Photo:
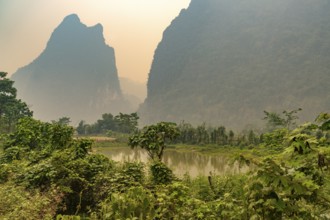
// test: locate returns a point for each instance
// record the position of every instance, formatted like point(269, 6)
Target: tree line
point(203, 134)
point(122, 123)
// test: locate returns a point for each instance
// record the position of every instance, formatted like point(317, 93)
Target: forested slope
point(224, 62)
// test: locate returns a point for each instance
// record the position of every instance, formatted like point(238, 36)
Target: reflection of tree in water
point(181, 162)
point(125, 154)
point(136, 155)
point(167, 159)
point(112, 152)
point(191, 162)
point(200, 160)
point(219, 163)
point(186, 159)
point(223, 166)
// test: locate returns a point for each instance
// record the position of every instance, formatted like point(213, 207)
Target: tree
point(324, 120)
point(126, 123)
point(123, 123)
point(62, 121)
point(187, 133)
point(290, 118)
point(252, 138)
point(106, 123)
point(221, 131)
point(81, 129)
point(202, 135)
point(275, 120)
point(154, 138)
point(11, 108)
point(231, 137)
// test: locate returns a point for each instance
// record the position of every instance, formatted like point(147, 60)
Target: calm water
point(192, 163)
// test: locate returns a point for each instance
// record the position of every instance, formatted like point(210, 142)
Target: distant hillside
point(75, 76)
point(225, 61)
point(134, 92)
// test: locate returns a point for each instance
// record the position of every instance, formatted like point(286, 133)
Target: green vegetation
point(122, 123)
point(11, 108)
point(47, 173)
point(43, 163)
point(274, 120)
point(154, 138)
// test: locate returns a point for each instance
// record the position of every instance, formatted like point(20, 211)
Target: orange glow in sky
point(132, 27)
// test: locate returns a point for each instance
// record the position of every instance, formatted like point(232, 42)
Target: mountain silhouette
point(75, 76)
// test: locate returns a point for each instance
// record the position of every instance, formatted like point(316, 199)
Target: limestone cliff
point(75, 76)
point(225, 61)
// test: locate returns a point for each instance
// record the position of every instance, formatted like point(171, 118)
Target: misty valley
point(233, 122)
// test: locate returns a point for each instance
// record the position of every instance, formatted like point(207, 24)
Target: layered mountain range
point(75, 76)
point(224, 62)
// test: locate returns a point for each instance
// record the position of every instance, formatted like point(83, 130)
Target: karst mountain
point(224, 62)
point(75, 76)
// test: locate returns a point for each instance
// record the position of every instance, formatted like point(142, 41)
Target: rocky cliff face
point(225, 61)
point(75, 76)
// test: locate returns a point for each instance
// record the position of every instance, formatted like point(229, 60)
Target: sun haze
point(132, 27)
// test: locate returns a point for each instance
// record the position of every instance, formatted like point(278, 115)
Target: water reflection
point(192, 163)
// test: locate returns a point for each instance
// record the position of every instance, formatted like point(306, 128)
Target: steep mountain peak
point(75, 76)
point(73, 32)
point(73, 18)
point(98, 28)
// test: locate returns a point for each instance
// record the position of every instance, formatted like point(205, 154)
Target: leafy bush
point(16, 202)
point(46, 173)
point(160, 173)
point(135, 203)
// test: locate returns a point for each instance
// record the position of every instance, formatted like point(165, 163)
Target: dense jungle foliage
point(45, 173)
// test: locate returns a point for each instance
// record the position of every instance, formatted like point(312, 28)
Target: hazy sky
point(132, 27)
